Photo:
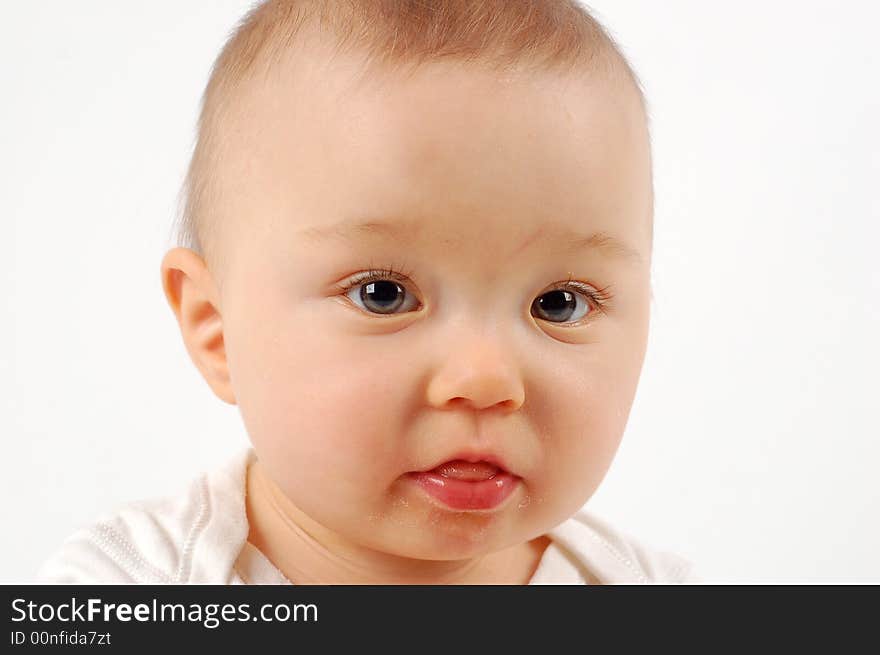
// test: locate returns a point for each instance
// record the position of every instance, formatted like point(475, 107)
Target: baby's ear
point(193, 297)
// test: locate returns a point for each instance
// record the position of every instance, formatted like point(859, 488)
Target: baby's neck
point(305, 555)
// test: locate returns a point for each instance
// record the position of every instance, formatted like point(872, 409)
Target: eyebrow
point(404, 231)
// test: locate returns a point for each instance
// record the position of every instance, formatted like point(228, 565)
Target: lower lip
point(465, 494)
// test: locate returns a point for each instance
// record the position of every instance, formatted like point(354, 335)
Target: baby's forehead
point(438, 100)
point(327, 139)
point(460, 138)
point(307, 64)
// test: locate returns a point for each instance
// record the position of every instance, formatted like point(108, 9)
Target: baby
point(417, 257)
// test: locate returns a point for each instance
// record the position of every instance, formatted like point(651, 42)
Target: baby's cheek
point(342, 418)
point(584, 439)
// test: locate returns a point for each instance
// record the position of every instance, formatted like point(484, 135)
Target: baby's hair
point(543, 35)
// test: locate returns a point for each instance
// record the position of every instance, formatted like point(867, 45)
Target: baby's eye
point(562, 305)
point(380, 296)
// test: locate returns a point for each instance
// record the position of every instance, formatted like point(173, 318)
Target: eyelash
point(599, 297)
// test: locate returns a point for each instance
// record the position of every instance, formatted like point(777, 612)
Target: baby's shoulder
point(186, 537)
point(620, 557)
point(139, 542)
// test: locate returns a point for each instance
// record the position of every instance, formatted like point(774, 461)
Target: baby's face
point(483, 192)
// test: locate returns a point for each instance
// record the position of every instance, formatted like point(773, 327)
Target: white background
point(753, 444)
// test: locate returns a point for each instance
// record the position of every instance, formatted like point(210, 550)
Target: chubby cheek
point(321, 414)
point(584, 424)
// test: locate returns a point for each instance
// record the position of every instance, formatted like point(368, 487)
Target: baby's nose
point(479, 372)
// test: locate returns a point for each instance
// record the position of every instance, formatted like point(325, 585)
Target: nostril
point(460, 402)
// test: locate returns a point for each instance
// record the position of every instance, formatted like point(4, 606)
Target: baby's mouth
point(459, 469)
point(460, 484)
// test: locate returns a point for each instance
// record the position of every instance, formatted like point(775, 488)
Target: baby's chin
point(441, 537)
point(416, 527)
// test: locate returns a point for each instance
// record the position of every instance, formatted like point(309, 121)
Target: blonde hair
point(541, 34)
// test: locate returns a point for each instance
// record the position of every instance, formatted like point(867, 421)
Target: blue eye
point(560, 306)
point(379, 292)
point(382, 296)
point(564, 300)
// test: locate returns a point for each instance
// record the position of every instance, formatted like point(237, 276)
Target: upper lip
point(473, 456)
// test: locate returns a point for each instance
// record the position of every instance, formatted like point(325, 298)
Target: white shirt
point(200, 537)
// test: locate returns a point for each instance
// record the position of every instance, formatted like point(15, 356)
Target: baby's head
point(419, 233)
